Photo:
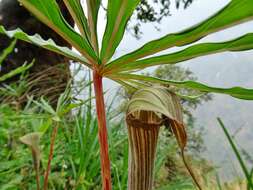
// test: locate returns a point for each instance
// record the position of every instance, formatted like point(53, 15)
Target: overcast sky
point(180, 19)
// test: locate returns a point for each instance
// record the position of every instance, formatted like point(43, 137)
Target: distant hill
point(227, 69)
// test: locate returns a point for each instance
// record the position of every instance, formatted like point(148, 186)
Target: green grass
point(76, 163)
point(246, 172)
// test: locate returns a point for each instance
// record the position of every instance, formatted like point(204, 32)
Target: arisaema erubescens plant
point(122, 69)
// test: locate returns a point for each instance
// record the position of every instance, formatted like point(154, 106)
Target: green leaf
point(118, 14)
point(46, 44)
point(7, 51)
point(12, 183)
point(236, 12)
point(15, 72)
point(93, 8)
point(237, 154)
point(76, 10)
point(242, 43)
point(45, 126)
point(237, 92)
point(48, 12)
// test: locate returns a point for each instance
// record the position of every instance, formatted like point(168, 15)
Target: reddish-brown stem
point(50, 157)
point(102, 132)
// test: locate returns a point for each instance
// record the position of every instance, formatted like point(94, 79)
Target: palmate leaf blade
point(118, 14)
point(76, 10)
point(236, 12)
point(242, 43)
point(48, 12)
point(93, 8)
point(236, 92)
point(46, 44)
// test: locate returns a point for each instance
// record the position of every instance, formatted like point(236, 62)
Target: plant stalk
point(50, 157)
point(36, 168)
point(143, 130)
point(237, 154)
point(102, 132)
